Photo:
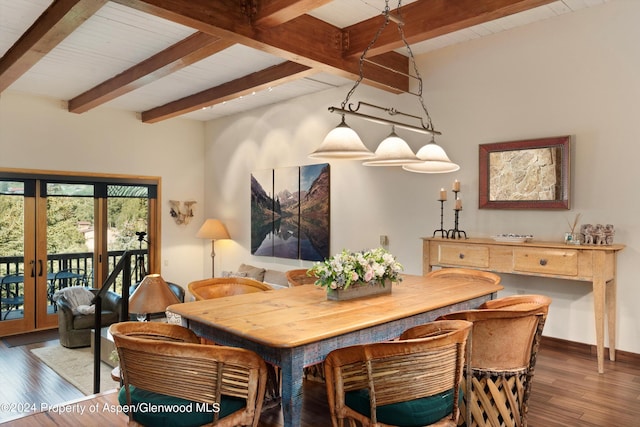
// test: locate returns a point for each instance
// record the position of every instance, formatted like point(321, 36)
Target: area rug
point(31, 338)
point(76, 367)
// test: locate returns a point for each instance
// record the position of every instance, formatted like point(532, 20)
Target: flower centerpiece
point(365, 273)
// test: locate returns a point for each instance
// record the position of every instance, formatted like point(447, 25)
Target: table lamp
point(215, 230)
point(152, 295)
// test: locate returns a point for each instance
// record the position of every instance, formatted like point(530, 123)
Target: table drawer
point(463, 255)
point(546, 261)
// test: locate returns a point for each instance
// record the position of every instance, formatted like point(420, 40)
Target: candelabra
point(455, 232)
point(443, 232)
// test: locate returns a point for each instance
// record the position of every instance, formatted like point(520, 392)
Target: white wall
point(38, 133)
point(576, 74)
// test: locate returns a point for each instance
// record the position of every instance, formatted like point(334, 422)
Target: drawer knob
point(461, 256)
point(543, 261)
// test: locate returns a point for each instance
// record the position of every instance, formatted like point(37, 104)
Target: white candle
point(456, 185)
point(443, 194)
point(458, 204)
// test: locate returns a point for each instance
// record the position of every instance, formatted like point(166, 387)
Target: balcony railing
point(82, 261)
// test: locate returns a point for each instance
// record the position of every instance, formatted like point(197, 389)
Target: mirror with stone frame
point(527, 174)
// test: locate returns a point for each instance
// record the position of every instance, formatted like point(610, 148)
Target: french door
point(58, 231)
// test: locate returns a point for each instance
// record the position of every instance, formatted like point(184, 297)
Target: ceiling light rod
point(344, 143)
point(345, 107)
point(424, 129)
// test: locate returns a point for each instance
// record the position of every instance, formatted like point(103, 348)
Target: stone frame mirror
point(527, 174)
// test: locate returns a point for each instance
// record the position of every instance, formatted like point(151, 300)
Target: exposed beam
point(426, 19)
point(272, 76)
point(182, 54)
point(270, 13)
point(54, 25)
point(320, 45)
point(305, 40)
point(278, 27)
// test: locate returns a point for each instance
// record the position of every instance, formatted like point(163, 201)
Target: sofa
point(275, 278)
point(75, 316)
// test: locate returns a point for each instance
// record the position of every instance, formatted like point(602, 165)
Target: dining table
point(298, 326)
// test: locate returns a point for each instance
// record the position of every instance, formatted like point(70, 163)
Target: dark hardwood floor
point(567, 390)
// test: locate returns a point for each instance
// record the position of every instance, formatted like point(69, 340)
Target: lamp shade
point(213, 229)
point(392, 151)
point(342, 143)
point(152, 295)
point(433, 160)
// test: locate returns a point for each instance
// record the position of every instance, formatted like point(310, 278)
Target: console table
point(589, 263)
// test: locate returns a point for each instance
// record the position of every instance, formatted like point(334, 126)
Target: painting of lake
point(290, 212)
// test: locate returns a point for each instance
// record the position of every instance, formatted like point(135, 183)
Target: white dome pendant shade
point(342, 143)
point(392, 151)
point(433, 160)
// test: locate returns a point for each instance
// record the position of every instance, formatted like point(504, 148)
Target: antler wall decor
point(182, 216)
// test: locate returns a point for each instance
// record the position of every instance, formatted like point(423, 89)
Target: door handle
point(40, 265)
point(33, 268)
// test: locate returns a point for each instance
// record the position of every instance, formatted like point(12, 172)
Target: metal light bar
point(383, 121)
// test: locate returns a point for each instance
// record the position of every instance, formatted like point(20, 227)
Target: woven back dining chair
point(402, 382)
point(505, 341)
point(466, 274)
point(299, 277)
point(218, 287)
point(165, 366)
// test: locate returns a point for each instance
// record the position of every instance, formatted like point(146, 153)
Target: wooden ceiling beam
point(320, 45)
point(260, 80)
point(182, 54)
point(305, 40)
point(427, 19)
point(54, 25)
point(271, 13)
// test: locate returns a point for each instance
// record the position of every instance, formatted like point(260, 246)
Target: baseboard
point(587, 349)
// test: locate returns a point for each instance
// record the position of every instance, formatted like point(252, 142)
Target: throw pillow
point(255, 273)
point(234, 274)
point(274, 277)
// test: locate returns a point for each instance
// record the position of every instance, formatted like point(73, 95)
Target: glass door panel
point(70, 228)
point(58, 231)
point(128, 227)
point(16, 248)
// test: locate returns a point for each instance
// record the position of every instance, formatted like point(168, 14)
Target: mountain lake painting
point(290, 212)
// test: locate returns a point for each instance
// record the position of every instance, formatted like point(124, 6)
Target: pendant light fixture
point(392, 151)
point(344, 143)
point(433, 159)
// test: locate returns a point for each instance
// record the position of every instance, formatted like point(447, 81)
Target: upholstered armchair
point(75, 317)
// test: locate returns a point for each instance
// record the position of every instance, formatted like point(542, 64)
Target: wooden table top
point(300, 315)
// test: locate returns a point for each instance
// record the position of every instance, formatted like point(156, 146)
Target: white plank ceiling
point(118, 37)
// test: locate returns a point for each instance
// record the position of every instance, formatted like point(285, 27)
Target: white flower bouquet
point(346, 268)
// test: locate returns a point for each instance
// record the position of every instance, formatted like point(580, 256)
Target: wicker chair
point(300, 277)
point(226, 286)
point(505, 340)
point(467, 273)
point(163, 364)
point(219, 287)
point(405, 382)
